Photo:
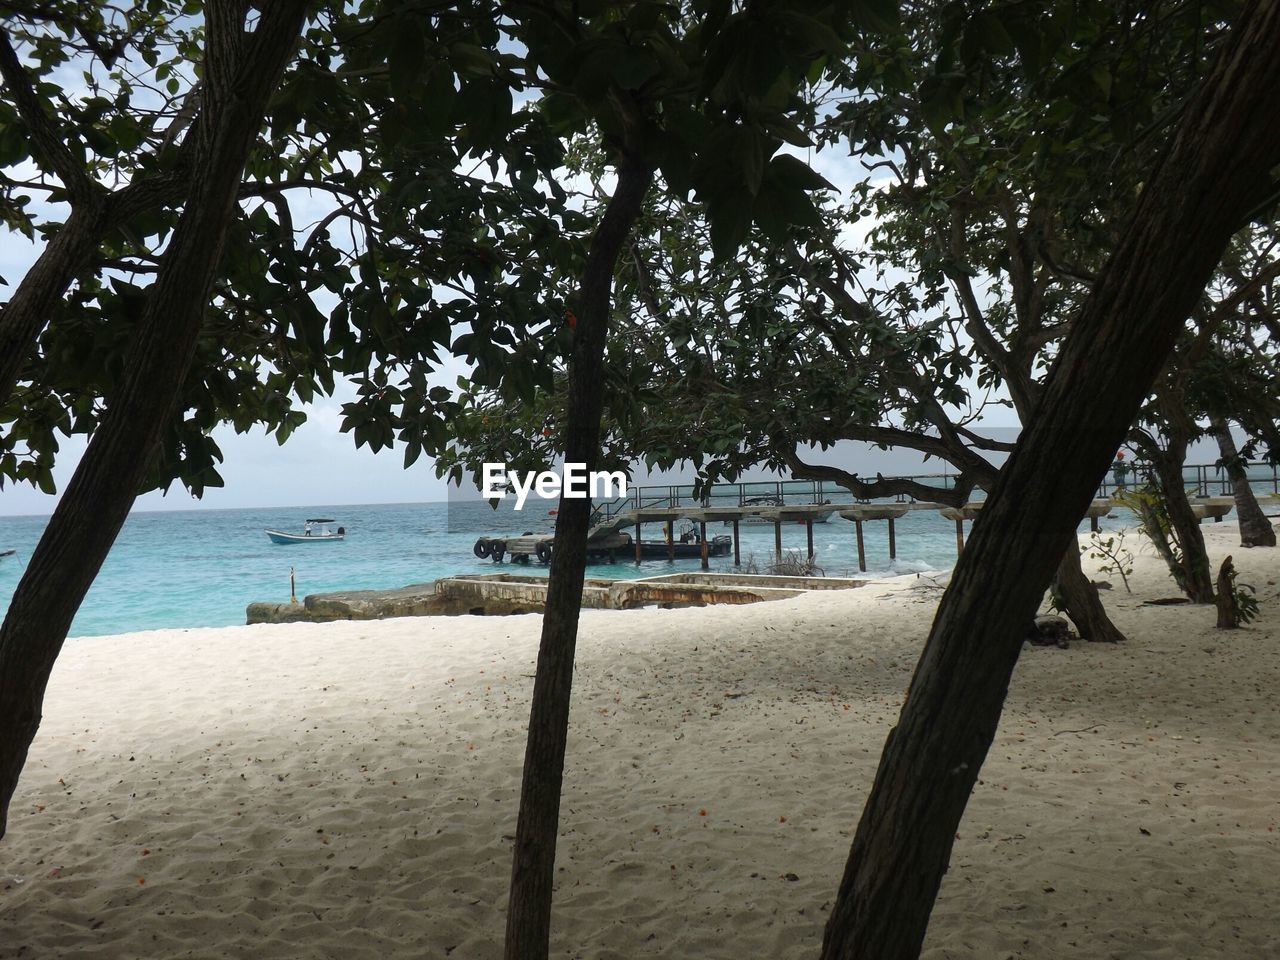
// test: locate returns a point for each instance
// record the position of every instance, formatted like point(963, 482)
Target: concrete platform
point(875, 511)
point(505, 593)
point(969, 511)
point(1212, 507)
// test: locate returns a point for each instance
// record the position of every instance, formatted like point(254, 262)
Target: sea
point(201, 568)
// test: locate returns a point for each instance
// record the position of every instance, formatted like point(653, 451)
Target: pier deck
point(610, 534)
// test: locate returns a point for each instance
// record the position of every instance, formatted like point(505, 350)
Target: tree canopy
point(614, 215)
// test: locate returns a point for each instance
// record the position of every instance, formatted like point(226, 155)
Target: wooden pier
point(611, 534)
point(618, 528)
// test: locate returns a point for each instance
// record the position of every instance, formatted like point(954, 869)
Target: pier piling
point(737, 546)
point(862, 549)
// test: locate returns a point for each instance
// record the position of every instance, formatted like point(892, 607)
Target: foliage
point(1242, 607)
point(1150, 504)
point(408, 199)
point(1232, 364)
point(1004, 150)
point(1246, 602)
point(364, 240)
point(1111, 550)
point(1224, 367)
point(1149, 507)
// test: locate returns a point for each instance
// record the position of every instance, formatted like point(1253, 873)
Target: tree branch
point(47, 141)
point(873, 489)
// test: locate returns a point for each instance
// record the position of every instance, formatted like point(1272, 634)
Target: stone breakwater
point(501, 594)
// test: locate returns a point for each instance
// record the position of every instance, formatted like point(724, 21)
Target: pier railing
point(1202, 480)
point(749, 493)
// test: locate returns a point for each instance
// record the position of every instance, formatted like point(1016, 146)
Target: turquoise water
point(200, 568)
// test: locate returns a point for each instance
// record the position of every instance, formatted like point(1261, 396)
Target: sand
point(349, 790)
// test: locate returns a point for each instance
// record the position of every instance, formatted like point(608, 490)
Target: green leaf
point(407, 57)
point(881, 16)
point(632, 67)
point(730, 223)
point(989, 30)
point(1101, 74)
point(791, 171)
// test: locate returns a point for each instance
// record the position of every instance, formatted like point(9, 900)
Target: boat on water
point(7, 553)
point(315, 530)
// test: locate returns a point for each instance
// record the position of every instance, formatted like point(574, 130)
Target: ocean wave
point(901, 567)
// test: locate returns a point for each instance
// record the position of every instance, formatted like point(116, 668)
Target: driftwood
point(1228, 611)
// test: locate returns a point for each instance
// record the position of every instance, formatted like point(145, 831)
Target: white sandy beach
point(349, 790)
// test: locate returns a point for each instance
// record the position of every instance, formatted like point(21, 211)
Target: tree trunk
point(533, 862)
point(1255, 528)
point(244, 69)
point(1078, 599)
point(1209, 179)
point(1228, 609)
point(1193, 572)
point(1150, 511)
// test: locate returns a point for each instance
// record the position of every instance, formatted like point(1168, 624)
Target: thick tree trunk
point(1255, 528)
point(1078, 599)
point(1192, 572)
point(533, 862)
point(1211, 176)
point(244, 69)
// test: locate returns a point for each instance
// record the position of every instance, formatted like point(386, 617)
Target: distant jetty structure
point(617, 529)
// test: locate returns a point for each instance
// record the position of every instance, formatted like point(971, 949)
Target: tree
point(383, 117)
point(990, 226)
point(1255, 528)
point(30, 129)
point(260, 342)
point(1213, 175)
point(702, 94)
point(1200, 384)
point(1238, 376)
point(242, 69)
